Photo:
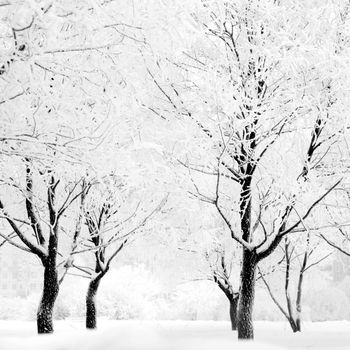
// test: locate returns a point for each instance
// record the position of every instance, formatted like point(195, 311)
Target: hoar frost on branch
point(267, 110)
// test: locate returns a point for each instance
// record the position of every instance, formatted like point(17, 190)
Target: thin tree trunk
point(48, 298)
point(91, 303)
point(286, 314)
point(298, 315)
point(299, 294)
point(233, 312)
point(293, 324)
point(246, 295)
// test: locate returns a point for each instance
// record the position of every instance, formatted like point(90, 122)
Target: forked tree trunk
point(48, 298)
point(233, 312)
point(294, 320)
point(91, 303)
point(293, 324)
point(246, 295)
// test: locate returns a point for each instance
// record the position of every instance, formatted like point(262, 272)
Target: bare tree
point(217, 261)
point(302, 262)
point(221, 268)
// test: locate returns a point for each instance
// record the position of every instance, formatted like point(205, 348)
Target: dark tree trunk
point(245, 209)
point(48, 298)
point(91, 303)
point(100, 271)
point(293, 325)
point(51, 284)
point(246, 295)
point(233, 312)
point(249, 263)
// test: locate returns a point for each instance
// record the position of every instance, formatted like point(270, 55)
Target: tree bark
point(246, 295)
point(51, 284)
point(48, 298)
point(249, 262)
point(233, 312)
point(91, 303)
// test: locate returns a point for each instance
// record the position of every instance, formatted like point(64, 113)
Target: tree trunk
point(48, 298)
point(51, 284)
point(293, 325)
point(233, 312)
point(91, 303)
point(298, 301)
point(246, 295)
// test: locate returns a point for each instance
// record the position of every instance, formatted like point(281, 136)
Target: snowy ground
point(130, 335)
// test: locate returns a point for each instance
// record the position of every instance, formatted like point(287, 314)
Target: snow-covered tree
point(113, 219)
point(221, 266)
point(61, 99)
point(39, 208)
point(265, 109)
point(217, 259)
point(297, 259)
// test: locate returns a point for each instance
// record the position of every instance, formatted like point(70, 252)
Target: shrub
point(328, 305)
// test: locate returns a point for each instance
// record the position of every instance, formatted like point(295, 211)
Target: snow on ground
point(171, 335)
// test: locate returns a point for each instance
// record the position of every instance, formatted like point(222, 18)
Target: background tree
point(297, 259)
point(221, 273)
point(218, 261)
point(114, 217)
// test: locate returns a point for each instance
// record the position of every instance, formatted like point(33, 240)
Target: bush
point(328, 305)
point(196, 301)
point(61, 311)
point(265, 309)
point(123, 311)
point(72, 297)
point(14, 308)
point(128, 293)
